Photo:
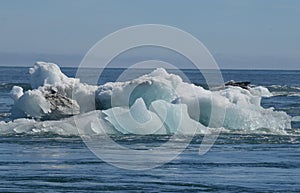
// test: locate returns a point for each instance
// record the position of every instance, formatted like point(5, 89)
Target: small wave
point(296, 119)
point(5, 116)
point(8, 86)
point(284, 90)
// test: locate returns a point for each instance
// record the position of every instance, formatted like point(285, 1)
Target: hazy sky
point(239, 33)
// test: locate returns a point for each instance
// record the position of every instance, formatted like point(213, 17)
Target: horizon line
point(246, 69)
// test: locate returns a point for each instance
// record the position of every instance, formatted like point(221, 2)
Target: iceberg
point(54, 95)
point(155, 103)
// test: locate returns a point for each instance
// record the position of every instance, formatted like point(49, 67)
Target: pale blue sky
point(239, 33)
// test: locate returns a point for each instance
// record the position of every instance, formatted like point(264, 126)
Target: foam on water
point(284, 90)
point(155, 103)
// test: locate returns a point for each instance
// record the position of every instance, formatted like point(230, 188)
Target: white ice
point(158, 102)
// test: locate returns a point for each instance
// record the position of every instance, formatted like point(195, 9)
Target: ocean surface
point(237, 162)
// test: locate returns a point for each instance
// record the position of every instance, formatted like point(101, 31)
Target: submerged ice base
point(155, 103)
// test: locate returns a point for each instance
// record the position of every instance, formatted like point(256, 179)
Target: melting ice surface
point(155, 103)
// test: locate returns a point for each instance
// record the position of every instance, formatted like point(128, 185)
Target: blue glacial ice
point(155, 103)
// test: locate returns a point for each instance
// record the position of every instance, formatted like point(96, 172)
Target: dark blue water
point(236, 162)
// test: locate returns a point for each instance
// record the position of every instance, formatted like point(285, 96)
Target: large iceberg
point(155, 103)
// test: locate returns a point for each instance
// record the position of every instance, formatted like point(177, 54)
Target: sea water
point(238, 162)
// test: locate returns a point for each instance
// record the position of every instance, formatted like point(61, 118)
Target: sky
point(240, 34)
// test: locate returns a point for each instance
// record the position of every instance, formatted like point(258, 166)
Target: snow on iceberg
point(154, 103)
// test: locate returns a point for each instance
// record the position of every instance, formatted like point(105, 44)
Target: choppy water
point(236, 163)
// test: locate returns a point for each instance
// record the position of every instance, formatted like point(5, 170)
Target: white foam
point(284, 90)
